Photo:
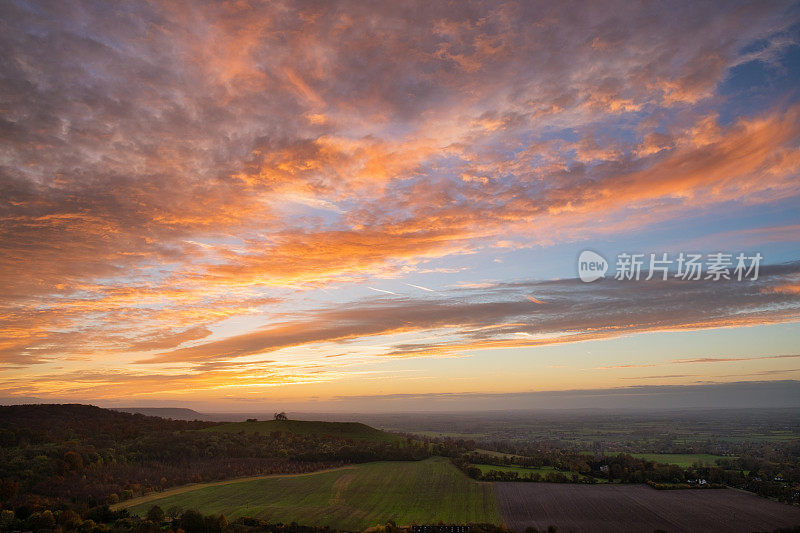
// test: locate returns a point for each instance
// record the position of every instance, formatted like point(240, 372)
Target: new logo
point(591, 266)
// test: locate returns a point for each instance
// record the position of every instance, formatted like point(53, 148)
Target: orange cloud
point(169, 167)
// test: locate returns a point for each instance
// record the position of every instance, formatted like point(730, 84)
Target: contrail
point(420, 287)
point(381, 290)
point(534, 300)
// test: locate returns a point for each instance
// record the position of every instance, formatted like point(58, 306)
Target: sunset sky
point(237, 205)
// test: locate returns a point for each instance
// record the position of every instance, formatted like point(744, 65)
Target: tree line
point(774, 473)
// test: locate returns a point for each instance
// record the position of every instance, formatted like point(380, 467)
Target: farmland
point(355, 498)
point(351, 476)
point(612, 508)
point(684, 460)
point(182, 489)
point(497, 454)
point(524, 471)
point(645, 432)
point(431, 491)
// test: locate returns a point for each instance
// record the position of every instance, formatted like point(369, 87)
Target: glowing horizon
point(246, 203)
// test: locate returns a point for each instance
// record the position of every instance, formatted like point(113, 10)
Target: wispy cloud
point(701, 360)
point(169, 170)
point(496, 317)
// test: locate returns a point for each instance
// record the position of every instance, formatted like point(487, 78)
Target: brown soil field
point(635, 508)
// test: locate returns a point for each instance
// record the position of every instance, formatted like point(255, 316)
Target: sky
point(237, 205)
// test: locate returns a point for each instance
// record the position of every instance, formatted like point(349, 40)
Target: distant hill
point(54, 423)
point(344, 430)
point(175, 413)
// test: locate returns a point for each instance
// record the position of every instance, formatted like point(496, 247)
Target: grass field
point(523, 471)
point(495, 454)
point(345, 430)
point(182, 489)
point(422, 492)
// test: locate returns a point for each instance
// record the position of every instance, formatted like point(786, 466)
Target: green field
point(345, 430)
point(523, 471)
point(354, 498)
point(496, 454)
point(684, 460)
